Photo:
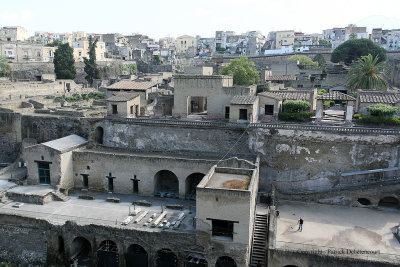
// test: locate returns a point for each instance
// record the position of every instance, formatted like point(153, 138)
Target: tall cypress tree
point(91, 69)
point(64, 63)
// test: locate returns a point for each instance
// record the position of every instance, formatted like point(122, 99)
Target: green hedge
point(296, 106)
point(382, 110)
point(298, 116)
point(377, 121)
point(80, 97)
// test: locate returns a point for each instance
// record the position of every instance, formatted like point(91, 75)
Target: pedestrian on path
point(300, 222)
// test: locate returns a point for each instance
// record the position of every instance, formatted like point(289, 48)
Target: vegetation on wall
point(368, 73)
point(80, 97)
point(304, 62)
point(64, 63)
point(54, 43)
point(243, 71)
point(353, 49)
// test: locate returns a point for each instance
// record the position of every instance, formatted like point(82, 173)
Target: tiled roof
point(281, 78)
point(122, 97)
point(335, 95)
point(289, 95)
point(243, 99)
point(379, 97)
point(132, 85)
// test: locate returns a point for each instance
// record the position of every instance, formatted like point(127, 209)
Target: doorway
point(44, 172)
point(243, 114)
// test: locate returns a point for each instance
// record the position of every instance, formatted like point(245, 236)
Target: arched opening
point(225, 261)
point(166, 258)
point(364, 201)
point(390, 202)
point(81, 252)
point(166, 184)
point(98, 135)
point(61, 247)
point(107, 254)
point(136, 256)
point(196, 260)
point(191, 183)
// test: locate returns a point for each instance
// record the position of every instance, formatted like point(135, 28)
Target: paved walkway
point(337, 227)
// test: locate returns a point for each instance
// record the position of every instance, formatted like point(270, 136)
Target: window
point(80, 53)
point(131, 109)
point(243, 114)
point(269, 109)
point(222, 228)
point(299, 86)
point(114, 109)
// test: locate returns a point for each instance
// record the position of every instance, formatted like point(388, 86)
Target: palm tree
point(5, 68)
point(367, 73)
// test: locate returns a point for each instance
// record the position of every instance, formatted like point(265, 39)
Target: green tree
point(64, 63)
point(304, 62)
point(157, 58)
point(243, 71)
point(325, 43)
point(5, 68)
point(91, 69)
point(353, 36)
point(353, 49)
point(319, 58)
point(55, 43)
point(368, 73)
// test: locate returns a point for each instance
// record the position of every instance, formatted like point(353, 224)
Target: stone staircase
point(259, 247)
point(57, 195)
point(333, 118)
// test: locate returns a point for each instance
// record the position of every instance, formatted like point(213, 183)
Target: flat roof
point(338, 227)
point(100, 212)
point(229, 181)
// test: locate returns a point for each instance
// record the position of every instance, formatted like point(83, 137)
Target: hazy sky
point(158, 18)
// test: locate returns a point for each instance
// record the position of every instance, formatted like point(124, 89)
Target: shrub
point(296, 106)
point(49, 97)
point(382, 110)
point(299, 116)
point(322, 92)
point(377, 121)
point(97, 95)
point(329, 103)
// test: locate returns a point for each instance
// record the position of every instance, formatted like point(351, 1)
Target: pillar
point(319, 111)
point(349, 111)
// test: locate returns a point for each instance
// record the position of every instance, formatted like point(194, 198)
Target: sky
point(162, 18)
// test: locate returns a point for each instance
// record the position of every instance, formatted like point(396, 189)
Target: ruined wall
point(314, 159)
point(10, 137)
point(46, 128)
point(157, 136)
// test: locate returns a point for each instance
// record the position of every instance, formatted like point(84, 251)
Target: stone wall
point(10, 137)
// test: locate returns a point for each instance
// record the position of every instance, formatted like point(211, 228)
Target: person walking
point(300, 223)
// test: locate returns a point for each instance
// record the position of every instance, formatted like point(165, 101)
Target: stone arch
point(166, 258)
point(81, 252)
point(391, 202)
point(166, 184)
point(191, 183)
point(107, 254)
point(99, 135)
point(225, 261)
point(136, 255)
point(364, 201)
point(196, 260)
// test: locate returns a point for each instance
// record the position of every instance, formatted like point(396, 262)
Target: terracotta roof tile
point(379, 97)
point(243, 99)
point(290, 95)
point(281, 78)
point(335, 95)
